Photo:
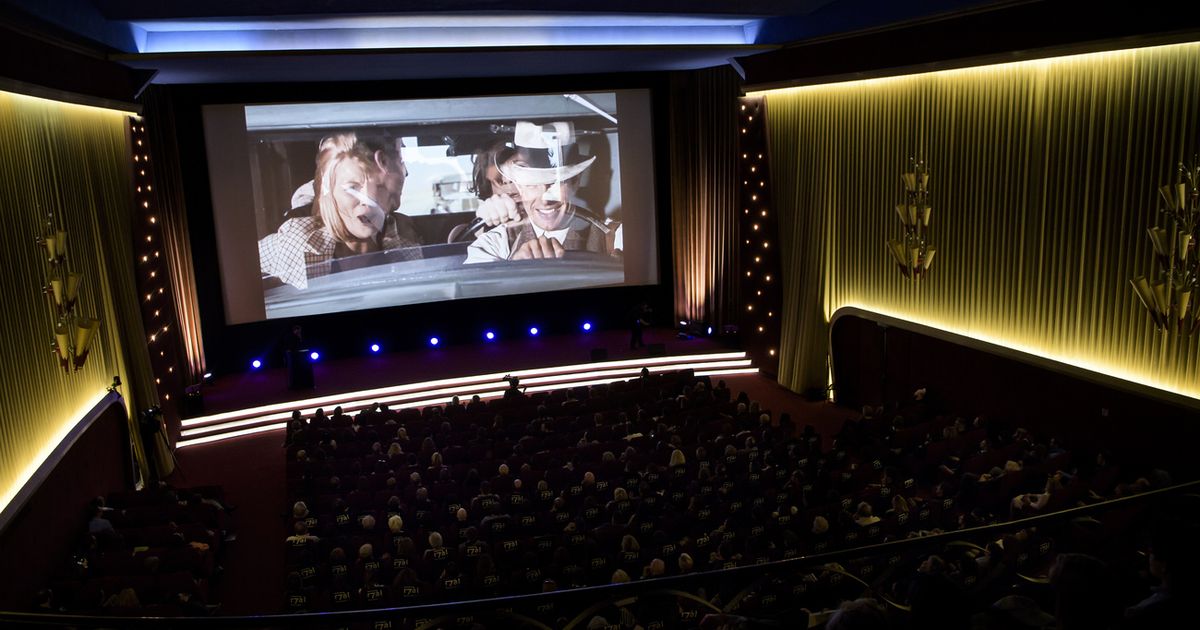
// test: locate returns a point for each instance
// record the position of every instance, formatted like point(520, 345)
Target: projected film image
point(371, 204)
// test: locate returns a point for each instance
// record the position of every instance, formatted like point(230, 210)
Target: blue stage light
point(533, 331)
point(587, 325)
point(208, 375)
point(255, 364)
point(314, 355)
point(374, 347)
point(489, 335)
point(710, 330)
point(433, 341)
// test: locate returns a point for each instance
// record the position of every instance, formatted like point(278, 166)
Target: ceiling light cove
point(439, 31)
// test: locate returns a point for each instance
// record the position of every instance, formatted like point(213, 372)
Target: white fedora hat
point(545, 154)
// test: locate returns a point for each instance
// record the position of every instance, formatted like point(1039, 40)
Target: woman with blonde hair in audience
point(677, 459)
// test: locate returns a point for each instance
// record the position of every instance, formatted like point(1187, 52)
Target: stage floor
point(231, 392)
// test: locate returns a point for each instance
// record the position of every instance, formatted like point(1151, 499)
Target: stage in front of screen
point(257, 401)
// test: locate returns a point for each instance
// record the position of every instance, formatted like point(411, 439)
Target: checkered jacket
point(303, 248)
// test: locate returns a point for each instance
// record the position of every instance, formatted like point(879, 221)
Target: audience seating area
point(658, 476)
point(146, 553)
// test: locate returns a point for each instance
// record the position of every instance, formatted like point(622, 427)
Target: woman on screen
point(357, 189)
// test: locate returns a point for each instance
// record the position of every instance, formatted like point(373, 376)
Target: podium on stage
point(299, 369)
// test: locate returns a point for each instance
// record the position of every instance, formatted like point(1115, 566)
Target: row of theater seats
point(657, 476)
point(145, 553)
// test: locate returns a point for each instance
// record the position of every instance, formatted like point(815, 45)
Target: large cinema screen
point(329, 207)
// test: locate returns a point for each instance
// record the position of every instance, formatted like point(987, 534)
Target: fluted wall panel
point(1043, 183)
point(71, 160)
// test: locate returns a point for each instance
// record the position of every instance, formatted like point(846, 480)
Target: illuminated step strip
point(333, 400)
point(355, 400)
point(543, 383)
point(420, 398)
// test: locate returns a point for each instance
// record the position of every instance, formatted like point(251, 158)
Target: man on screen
point(356, 191)
point(532, 212)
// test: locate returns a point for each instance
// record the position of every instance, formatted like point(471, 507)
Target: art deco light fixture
point(1169, 299)
point(72, 334)
point(913, 253)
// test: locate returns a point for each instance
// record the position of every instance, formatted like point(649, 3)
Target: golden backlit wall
point(1043, 178)
point(72, 160)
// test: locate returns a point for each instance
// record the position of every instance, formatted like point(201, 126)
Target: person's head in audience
point(820, 525)
point(502, 470)
point(630, 543)
point(366, 552)
point(435, 540)
point(677, 458)
point(435, 460)
point(589, 478)
point(299, 510)
point(686, 564)
point(1086, 594)
point(620, 577)
point(368, 523)
point(932, 565)
point(337, 555)
point(859, 614)
point(125, 598)
point(620, 494)
point(656, 568)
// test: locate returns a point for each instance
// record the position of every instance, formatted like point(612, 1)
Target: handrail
point(606, 592)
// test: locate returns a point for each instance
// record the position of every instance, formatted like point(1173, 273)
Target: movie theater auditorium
point(476, 314)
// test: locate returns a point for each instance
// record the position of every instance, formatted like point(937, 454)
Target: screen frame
point(228, 347)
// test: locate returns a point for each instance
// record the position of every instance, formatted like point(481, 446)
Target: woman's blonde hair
point(332, 151)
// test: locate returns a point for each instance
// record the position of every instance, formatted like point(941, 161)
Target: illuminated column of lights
point(761, 286)
point(151, 272)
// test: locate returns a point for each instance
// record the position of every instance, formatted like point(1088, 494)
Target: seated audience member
point(1174, 561)
point(1036, 502)
point(1085, 593)
point(126, 598)
point(300, 535)
point(858, 614)
point(863, 516)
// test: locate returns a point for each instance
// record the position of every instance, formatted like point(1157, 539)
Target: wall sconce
point(1169, 300)
point(72, 338)
point(912, 253)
